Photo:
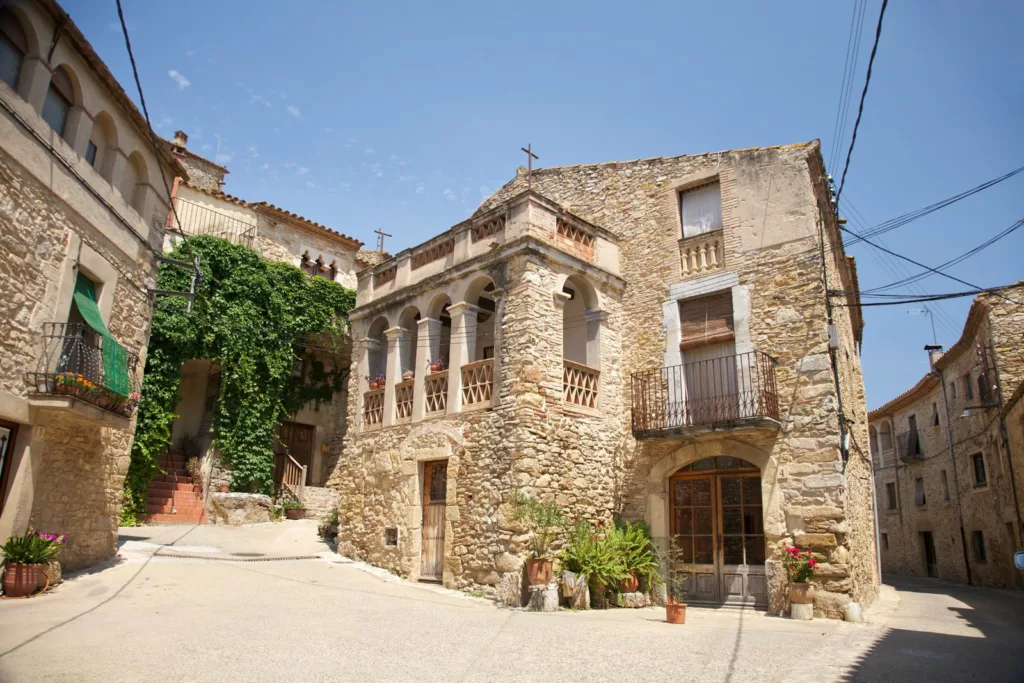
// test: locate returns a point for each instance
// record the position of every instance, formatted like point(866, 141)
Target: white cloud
point(253, 152)
point(420, 188)
point(402, 162)
point(294, 111)
point(179, 79)
point(403, 178)
point(164, 122)
point(310, 184)
point(369, 150)
point(302, 171)
point(394, 157)
point(375, 168)
point(450, 194)
point(265, 167)
point(222, 158)
point(345, 186)
point(190, 53)
point(259, 99)
point(465, 190)
point(484, 191)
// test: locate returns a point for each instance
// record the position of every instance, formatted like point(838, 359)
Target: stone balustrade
point(435, 387)
point(702, 254)
point(373, 408)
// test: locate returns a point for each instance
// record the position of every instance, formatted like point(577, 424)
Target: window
point(919, 497)
point(968, 387)
point(701, 209)
point(935, 414)
point(90, 153)
point(58, 101)
point(873, 440)
point(890, 496)
point(13, 47)
point(885, 541)
point(952, 388)
point(391, 536)
point(983, 394)
point(978, 462)
point(945, 486)
point(8, 433)
point(978, 546)
point(913, 442)
point(705, 321)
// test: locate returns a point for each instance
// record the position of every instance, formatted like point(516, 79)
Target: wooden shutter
point(707, 320)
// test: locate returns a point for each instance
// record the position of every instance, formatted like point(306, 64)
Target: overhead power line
point(929, 297)
point(846, 86)
point(860, 107)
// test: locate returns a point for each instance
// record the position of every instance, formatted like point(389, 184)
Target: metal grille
point(908, 446)
point(196, 219)
point(433, 253)
point(705, 393)
point(75, 363)
point(484, 230)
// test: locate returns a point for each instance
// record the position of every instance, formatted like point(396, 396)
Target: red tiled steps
point(173, 497)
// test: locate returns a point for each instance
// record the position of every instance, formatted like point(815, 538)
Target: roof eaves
point(277, 211)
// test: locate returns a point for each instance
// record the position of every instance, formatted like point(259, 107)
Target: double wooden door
point(435, 494)
point(718, 532)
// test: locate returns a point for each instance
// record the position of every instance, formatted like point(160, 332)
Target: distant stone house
point(311, 438)
point(83, 198)
point(945, 471)
point(646, 339)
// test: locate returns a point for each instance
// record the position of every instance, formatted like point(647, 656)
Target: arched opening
point(102, 147)
point(480, 294)
point(60, 97)
point(136, 181)
point(440, 349)
point(13, 47)
point(377, 351)
point(873, 440)
point(716, 519)
point(409, 320)
point(581, 342)
point(884, 442)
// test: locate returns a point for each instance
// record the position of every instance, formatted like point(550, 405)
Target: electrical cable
point(846, 85)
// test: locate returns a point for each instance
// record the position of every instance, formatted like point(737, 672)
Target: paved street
point(161, 618)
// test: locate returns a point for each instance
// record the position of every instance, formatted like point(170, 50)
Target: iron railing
point(79, 363)
point(196, 219)
point(908, 446)
point(705, 393)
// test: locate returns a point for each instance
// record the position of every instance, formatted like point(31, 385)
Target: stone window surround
point(82, 257)
point(703, 286)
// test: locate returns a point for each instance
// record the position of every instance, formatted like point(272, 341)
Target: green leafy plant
point(253, 317)
point(292, 505)
point(32, 548)
point(592, 553)
point(545, 519)
point(675, 582)
point(638, 553)
point(332, 518)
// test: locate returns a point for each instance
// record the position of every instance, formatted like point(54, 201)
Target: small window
point(700, 209)
point(968, 387)
point(13, 47)
point(935, 414)
point(488, 352)
point(978, 462)
point(391, 536)
point(919, 497)
point(978, 547)
point(952, 389)
point(90, 153)
point(890, 496)
point(945, 486)
point(913, 442)
point(59, 97)
point(885, 541)
point(983, 394)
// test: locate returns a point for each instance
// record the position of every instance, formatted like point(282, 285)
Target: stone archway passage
point(717, 530)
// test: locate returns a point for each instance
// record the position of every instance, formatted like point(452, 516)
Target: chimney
point(180, 139)
point(934, 354)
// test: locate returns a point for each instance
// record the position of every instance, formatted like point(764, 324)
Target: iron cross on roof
point(530, 156)
point(380, 238)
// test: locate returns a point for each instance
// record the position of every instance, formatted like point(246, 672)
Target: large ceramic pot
point(675, 612)
point(629, 584)
point(538, 571)
point(801, 593)
point(295, 513)
point(22, 579)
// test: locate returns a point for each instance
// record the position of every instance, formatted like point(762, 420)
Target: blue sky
point(402, 116)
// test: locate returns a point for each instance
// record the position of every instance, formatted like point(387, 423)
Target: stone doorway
point(435, 497)
point(717, 530)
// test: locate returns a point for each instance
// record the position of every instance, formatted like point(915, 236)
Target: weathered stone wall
point(282, 241)
point(201, 173)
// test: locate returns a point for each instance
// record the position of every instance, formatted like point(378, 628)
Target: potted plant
point(377, 381)
point(25, 560)
point(328, 528)
point(800, 565)
point(638, 555)
point(545, 520)
point(590, 558)
point(293, 509)
point(408, 375)
point(675, 598)
point(438, 365)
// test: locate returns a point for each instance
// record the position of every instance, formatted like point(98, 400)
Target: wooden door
point(435, 493)
point(298, 440)
point(741, 546)
point(931, 562)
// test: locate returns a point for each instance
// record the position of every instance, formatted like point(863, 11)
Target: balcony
point(373, 408)
point(702, 254)
point(908, 447)
point(580, 384)
point(196, 219)
point(436, 399)
point(478, 383)
point(79, 366)
point(732, 392)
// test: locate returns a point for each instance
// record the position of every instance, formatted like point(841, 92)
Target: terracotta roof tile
point(276, 210)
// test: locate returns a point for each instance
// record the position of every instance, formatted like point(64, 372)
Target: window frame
point(64, 99)
point(969, 386)
point(91, 152)
point(885, 541)
point(976, 459)
point(7, 459)
point(694, 188)
point(978, 550)
point(892, 501)
point(920, 495)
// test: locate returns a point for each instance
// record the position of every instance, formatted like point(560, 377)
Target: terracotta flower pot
point(675, 612)
point(295, 513)
point(22, 579)
point(224, 488)
point(538, 571)
point(629, 584)
point(801, 593)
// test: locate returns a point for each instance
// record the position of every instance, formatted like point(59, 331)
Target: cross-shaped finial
point(530, 156)
point(380, 238)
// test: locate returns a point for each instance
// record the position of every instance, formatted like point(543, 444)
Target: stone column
point(363, 370)
point(78, 129)
point(463, 342)
point(498, 295)
point(118, 163)
point(33, 82)
point(396, 337)
point(428, 347)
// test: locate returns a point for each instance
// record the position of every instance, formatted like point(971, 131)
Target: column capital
point(396, 333)
point(496, 293)
point(424, 321)
point(463, 307)
point(368, 343)
point(560, 298)
point(595, 314)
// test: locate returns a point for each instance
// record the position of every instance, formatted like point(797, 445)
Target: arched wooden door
point(717, 527)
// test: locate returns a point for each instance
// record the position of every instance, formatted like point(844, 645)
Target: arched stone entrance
point(709, 506)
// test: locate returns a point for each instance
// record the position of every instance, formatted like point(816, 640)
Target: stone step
point(177, 509)
point(172, 486)
point(318, 501)
point(163, 496)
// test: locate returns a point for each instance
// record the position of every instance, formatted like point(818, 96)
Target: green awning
point(115, 356)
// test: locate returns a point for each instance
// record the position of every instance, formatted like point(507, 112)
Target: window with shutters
point(919, 498)
point(706, 321)
point(700, 209)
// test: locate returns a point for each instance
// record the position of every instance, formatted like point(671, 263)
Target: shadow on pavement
point(917, 649)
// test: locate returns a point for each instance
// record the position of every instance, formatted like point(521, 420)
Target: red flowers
point(801, 564)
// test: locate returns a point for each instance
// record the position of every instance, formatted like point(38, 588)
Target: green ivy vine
point(255, 318)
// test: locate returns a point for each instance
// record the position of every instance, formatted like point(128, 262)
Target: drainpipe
point(952, 459)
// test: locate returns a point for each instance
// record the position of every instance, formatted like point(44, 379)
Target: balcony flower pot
point(675, 612)
point(22, 579)
point(538, 571)
point(801, 593)
point(438, 365)
point(295, 513)
point(408, 375)
point(629, 584)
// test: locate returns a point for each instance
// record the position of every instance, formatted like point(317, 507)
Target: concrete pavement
point(161, 618)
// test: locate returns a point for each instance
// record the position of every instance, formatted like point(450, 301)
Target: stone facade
point(933, 502)
point(614, 229)
point(69, 207)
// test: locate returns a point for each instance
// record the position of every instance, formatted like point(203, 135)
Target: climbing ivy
point(255, 318)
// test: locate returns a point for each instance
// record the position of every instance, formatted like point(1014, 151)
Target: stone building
point(646, 339)
point(83, 199)
point(949, 510)
point(312, 437)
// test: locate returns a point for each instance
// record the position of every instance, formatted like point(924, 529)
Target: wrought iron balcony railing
point(79, 363)
point(196, 219)
point(908, 447)
point(705, 393)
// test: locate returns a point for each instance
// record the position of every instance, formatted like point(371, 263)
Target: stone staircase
point(319, 501)
point(173, 497)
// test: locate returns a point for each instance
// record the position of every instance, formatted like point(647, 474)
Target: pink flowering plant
point(800, 564)
point(32, 548)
